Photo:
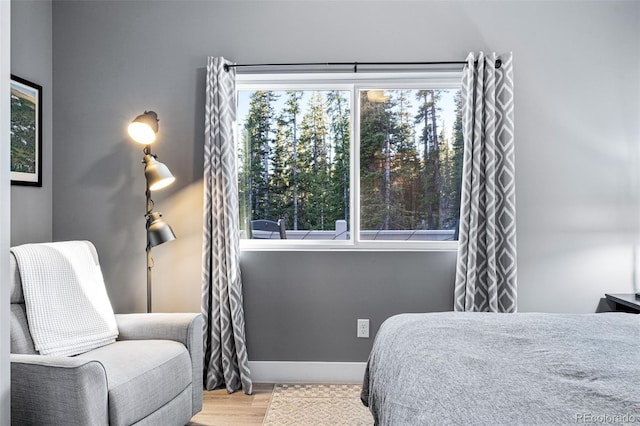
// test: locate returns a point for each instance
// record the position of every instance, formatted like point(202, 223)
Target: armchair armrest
point(184, 328)
point(52, 390)
point(178, 327)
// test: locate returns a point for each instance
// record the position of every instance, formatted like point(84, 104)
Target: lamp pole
point(149, 266)
point(147, 151)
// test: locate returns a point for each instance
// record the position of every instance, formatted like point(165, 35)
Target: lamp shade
point(144, 127)
point(158, 231)
point(158, 175)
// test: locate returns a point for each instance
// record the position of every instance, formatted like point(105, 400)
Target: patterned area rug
point(317, 405)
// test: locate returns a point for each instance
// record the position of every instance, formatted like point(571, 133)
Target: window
point(294, 163)
point(349, 161)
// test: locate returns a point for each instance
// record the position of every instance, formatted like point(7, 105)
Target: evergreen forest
point(23, 132)
point(294, 159)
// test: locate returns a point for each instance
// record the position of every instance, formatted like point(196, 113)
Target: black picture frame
point(26, 132)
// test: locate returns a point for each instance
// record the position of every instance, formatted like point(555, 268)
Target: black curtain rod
point(353, 64)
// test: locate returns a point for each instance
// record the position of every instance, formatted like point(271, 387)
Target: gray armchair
point(152, 375)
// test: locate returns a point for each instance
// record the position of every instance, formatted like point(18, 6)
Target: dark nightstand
point(624, 303)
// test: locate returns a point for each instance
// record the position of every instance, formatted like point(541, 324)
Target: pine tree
point(427, 115)
point(457, 161)
point(338, 110)
point(290, 120)
point(375, 122)
point(244, 187)
point(279, 177)
point(406, 166)
point(315, 177)
point(446, 181)
point(258, 134)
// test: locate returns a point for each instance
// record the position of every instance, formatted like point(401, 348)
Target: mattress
point(504, 369)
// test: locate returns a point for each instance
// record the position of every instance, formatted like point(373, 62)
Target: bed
point(504, 369)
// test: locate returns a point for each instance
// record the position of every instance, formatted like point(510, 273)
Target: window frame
point(353, 83)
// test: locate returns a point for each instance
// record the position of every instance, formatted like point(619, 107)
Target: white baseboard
point(306, 372)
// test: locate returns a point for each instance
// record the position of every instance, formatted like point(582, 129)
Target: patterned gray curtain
point(226, 362)
point(486, 268)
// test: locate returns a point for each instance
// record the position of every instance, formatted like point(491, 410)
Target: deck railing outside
point(341, 233)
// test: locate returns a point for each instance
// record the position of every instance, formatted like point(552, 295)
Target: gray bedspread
point(505, 369)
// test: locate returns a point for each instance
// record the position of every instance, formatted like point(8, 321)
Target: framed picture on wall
point(26, 132)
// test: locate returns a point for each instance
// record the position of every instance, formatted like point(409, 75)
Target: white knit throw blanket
point(65, 297)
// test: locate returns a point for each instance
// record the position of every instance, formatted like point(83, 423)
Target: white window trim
point(353, 82)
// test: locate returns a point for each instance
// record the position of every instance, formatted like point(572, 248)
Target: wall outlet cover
point(363, 328)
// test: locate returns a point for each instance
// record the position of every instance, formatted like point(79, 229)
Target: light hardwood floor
point(236, 409)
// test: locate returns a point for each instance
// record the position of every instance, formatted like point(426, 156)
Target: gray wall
point(5, 71)
point(31, 50)
point(577, 97)
point(307, 311)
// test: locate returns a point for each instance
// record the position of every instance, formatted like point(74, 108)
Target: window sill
point(362, 246)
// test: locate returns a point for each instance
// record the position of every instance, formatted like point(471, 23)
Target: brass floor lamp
point(143, 129)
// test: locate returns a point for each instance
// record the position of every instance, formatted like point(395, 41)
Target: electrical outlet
point(363, 328)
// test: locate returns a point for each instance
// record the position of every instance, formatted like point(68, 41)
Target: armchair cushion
point(184, 328)
point(21, 342)
point(144, 375)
